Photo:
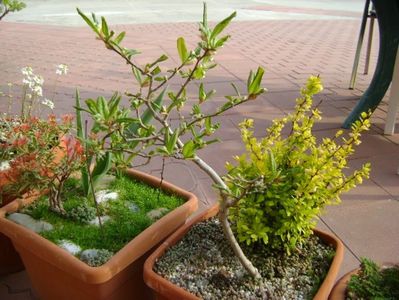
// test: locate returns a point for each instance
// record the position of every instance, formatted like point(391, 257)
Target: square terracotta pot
point(56, 274)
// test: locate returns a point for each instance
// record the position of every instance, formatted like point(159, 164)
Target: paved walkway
point(290, 50)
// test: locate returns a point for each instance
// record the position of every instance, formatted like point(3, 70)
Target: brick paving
point(290, 51)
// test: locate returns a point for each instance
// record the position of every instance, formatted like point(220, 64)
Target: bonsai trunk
point(223, 217)
point(55, 199)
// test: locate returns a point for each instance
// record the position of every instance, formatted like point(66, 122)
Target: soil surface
point(204, 264)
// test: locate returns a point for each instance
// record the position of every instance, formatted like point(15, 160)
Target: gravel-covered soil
point(204, 264)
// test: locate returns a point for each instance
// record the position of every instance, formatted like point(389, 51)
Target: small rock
point(133, 207)
point(69, 246)
point(27, 221)
point(157, 213)
point(106, 195)
point(95, 257)
point(96, 222)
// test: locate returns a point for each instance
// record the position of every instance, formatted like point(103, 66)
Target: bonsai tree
point(7, 6)
point(276, 189)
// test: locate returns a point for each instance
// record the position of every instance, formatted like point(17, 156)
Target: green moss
point(374, 282)
point(124, 224)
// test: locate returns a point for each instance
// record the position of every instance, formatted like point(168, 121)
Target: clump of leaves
point(101, 257)
point(7, 6)
point(82, 213)
point(374, 282)
point(281, 184)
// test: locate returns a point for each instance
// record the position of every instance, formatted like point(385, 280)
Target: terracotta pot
point(10, 261)
point(339, 290)
point(165, 290)
point(56, 274)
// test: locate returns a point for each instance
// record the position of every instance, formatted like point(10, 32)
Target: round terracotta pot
point(56, 274)
point(339, 290)
point(163, 289)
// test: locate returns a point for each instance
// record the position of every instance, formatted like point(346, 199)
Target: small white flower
point(48, 103)
point(61, 69)
point(37, 90)
point(38, 80)
point(4, 165)
point(28, 96)
point(27, 71)
point(9, 84)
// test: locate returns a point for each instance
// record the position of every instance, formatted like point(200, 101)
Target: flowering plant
point(37, 153)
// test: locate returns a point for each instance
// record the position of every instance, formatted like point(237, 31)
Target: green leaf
point(82, 137)
point(137, 74)
point(199, 73)
point(188, 150)
point(101, 106)
point(114, 104)
point(156, 71)
point(104, 27)
point(120, 37)
point(182, 50)
point(202, 93)
point(79, 124)
point(103, 165)
point(88, 21)
point(205, 16)
point(254, 87)
point(130, 52)
point(162, 58)
point(221, 41)
point(250, 79)
point(92, 106)
point(171, 143)
point(222, 25)
point(272, 163)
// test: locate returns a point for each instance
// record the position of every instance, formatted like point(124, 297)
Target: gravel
point(204, 264)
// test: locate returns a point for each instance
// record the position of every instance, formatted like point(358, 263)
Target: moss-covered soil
point(127, 214)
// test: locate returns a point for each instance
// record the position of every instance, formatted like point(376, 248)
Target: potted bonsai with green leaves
point(269, 200)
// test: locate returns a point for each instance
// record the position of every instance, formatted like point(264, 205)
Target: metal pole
point(372, 16)
point(359, 45)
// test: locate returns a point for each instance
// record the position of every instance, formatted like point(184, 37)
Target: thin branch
point(6, 11)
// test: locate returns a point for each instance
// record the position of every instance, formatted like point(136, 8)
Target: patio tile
point(16, 286)
point(369, 228)
point(350, 261)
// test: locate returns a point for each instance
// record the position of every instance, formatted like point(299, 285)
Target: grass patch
point(124, 224)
